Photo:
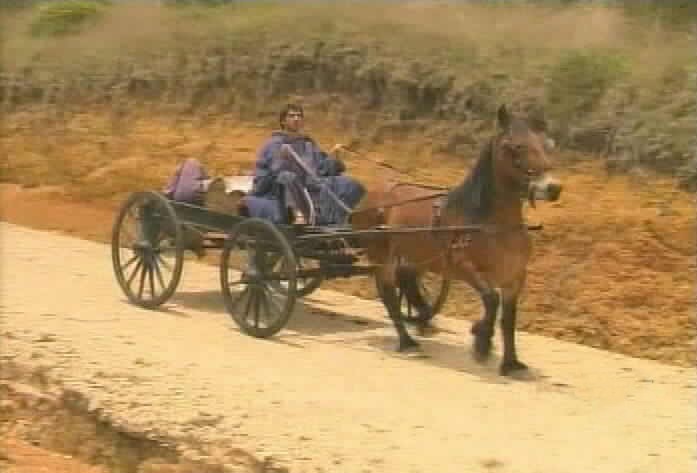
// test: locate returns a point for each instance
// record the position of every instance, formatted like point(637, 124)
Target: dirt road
point(327, 394)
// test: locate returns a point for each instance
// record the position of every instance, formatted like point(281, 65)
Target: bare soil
point(326, 394)
point(17, 456)
point(613, 267)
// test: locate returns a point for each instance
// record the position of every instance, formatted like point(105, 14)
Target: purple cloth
point(186, 185)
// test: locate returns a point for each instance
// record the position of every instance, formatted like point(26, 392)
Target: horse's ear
point(504, 117)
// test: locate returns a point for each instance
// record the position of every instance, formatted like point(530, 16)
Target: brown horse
point(492, 258)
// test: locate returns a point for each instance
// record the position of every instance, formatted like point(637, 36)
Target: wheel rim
point(254, 265)
point(434, 290)
point(146, 250)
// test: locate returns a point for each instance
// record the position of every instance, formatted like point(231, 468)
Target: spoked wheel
point(433, 289)
point(256, 262)
point(147, 249)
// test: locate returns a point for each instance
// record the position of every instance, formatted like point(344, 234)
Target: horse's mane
point(474, 196)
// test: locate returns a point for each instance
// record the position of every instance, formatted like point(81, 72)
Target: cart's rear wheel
point(256, 261)
point(147, 249)
point(433, 289)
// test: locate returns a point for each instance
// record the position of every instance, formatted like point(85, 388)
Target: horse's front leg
point(510, 362)
point(483, 329)
point(387, 275)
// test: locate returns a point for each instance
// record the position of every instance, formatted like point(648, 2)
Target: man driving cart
point(293, 172)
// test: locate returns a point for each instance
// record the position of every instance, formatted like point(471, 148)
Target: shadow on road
point(443, 348)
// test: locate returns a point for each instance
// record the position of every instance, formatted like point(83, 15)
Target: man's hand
point(336, 148)
point(286, 177)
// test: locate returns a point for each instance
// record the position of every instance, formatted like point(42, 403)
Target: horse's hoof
point(407, 344)
point(510, 367)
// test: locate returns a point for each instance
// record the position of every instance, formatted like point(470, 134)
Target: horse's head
point(520, 157)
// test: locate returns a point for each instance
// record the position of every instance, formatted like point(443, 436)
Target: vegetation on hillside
point(612, 79)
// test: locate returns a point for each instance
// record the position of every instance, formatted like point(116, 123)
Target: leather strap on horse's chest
point(453, 241)
point(457, 240)
point(437, 211)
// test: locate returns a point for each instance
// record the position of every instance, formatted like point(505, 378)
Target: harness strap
point(381, 208)
point(437, 211)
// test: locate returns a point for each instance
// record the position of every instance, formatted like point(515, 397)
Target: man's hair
point(291, 107)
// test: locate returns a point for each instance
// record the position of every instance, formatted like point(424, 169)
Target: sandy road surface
point(327, 394)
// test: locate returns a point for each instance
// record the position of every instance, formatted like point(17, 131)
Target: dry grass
point(419, 31)
point(244, 58)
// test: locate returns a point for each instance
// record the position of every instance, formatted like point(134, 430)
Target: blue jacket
point(270, 163)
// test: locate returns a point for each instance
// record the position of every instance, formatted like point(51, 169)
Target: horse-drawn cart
point(480, 237)
point(264, 267)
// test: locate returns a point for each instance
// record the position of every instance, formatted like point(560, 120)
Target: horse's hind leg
point(509, 310)
point(387, 275)
point(408, 278)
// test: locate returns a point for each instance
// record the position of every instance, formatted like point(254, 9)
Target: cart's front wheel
point(256, 262)
point(147, 249)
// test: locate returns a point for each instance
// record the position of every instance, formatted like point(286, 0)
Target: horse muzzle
point(544, 188)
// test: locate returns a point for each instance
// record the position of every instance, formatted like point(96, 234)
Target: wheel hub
point(142, 246)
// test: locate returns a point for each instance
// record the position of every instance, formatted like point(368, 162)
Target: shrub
point(64, 17)
point(16, 4)
point(579, 80)
point(680, 14)
point(208, 3)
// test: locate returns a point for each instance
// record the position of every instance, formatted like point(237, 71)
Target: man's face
point(294, 121)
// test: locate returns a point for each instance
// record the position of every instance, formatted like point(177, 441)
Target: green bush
point(16, 4)
point(64, 17)
point(674, 13)
point(208, 3)
point(580, 79)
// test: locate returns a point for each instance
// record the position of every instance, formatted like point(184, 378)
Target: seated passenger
point(280, 182)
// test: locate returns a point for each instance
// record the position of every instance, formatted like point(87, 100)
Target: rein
point(444, 190)
point(401, 202)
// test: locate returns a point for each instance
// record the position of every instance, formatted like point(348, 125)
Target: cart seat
point(230, 195)
point(232, 184)
point(226, 194)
